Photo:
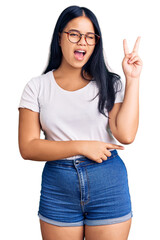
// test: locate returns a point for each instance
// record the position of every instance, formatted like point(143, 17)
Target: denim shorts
point(82, 191)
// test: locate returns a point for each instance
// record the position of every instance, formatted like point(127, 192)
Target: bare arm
point(124, 117)
point(33, 148)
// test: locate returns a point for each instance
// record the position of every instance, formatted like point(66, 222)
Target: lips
point(79, 54)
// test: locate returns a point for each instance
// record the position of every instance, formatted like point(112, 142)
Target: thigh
point(118, 231)
point(109, 197)
point(60, 195)
point(53, 232)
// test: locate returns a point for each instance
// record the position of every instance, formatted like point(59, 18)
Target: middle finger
point(136, 46)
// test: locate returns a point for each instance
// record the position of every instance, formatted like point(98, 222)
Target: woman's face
point(71, 55)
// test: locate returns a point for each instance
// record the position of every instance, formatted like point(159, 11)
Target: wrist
point(131, 79)
point(80, 146)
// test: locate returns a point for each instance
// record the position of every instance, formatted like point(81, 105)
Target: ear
point(59, 38)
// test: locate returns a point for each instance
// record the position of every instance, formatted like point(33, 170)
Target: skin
point(128, 111)
point(68, 77)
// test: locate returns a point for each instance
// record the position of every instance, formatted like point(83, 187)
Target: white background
point(26, 31)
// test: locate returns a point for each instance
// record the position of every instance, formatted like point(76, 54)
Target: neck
point(68, 71)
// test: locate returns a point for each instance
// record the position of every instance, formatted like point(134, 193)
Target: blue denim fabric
point(82, 191)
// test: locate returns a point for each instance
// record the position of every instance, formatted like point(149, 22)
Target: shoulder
point(39, 81)
point(40, 78)
point(33, 89)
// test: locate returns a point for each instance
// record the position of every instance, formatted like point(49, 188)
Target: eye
point(74, 34)
point(90, 36)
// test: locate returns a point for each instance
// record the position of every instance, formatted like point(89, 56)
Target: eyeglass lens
point(74, 37)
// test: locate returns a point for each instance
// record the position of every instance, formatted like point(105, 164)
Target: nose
point(82, 41)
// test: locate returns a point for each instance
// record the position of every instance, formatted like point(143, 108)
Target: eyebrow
point(79, 31)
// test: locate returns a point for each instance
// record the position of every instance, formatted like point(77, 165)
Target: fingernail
point(121, 147)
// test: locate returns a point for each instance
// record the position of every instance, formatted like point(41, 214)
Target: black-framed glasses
point(74, 36)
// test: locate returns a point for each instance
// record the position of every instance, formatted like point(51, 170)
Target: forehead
point(83, 24)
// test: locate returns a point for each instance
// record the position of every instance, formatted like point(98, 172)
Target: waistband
point(82, 159)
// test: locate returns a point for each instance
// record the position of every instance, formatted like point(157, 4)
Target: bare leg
point(118, 231)
point(53, 232)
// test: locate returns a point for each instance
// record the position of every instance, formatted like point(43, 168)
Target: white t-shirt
point(67, 115)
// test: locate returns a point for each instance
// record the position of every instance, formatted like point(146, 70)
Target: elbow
point(24, 152)
point(24, 155)
point(127, 140)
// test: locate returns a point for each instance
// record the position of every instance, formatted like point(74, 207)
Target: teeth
point(80, 51)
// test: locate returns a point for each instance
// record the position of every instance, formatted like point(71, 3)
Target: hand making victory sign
point(125, 115)
point(132, 64)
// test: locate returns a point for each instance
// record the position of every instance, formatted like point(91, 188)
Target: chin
point(75, 63)
point(78, 64)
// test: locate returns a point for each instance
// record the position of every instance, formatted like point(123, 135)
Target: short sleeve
point(29, 97)
point(120, 94)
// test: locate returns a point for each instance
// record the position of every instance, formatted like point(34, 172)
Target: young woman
point(82, 109)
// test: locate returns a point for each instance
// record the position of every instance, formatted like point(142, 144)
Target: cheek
point(66, 47)
point(67, 52)
point(90, 51)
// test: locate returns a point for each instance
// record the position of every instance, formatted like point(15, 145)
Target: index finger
point(136, 46)
point(125, 47)
point(114, 146)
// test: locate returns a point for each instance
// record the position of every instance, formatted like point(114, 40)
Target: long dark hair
point(108, 82)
